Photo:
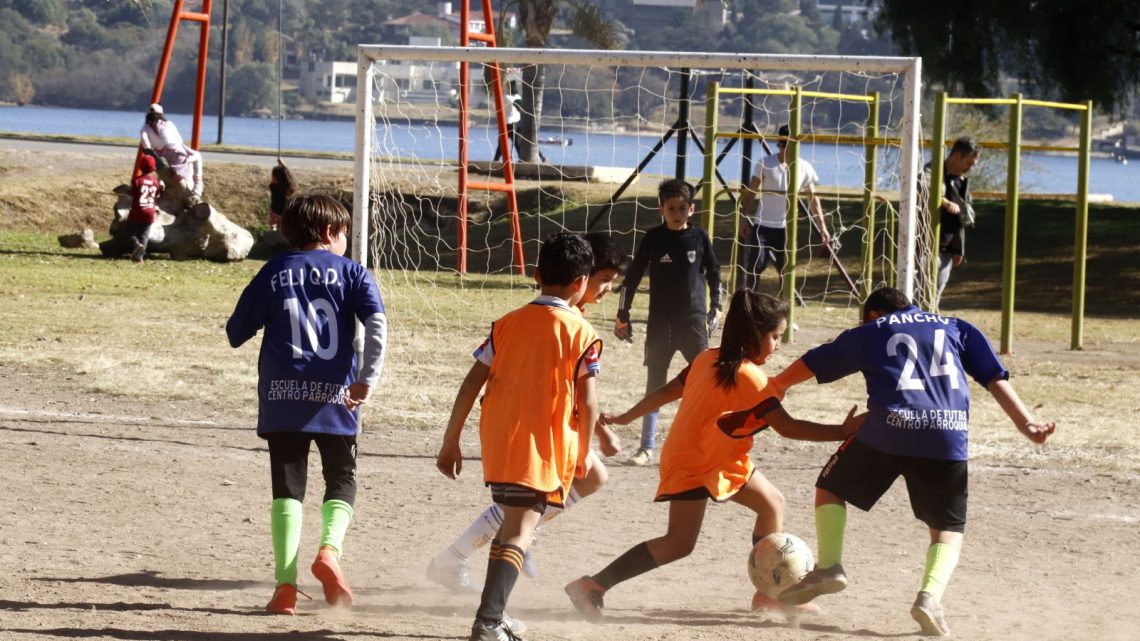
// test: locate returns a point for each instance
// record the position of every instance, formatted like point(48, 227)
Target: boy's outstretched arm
point(792, 375)
point(449, 461)
point(1011, 404)
point(667, 393)
point(790, 427)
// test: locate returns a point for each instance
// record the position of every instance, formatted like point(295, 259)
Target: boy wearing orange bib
point(539, 365)
point(449, 567)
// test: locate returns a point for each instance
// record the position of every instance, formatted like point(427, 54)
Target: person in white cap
point(161, 136)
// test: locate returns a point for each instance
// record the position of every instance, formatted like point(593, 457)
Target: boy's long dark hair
point(307, 216)
point(750, 316)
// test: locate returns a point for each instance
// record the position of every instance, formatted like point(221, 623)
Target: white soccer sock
point(551, 511)
point(479, 533)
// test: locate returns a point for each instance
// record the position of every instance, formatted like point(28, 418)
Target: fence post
point(871, 154)
point(791, 242)
point(1080, 243)
point(1009, 252)
point(934, 201)
point(708, 196)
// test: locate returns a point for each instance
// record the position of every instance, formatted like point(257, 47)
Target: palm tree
point(537, 17)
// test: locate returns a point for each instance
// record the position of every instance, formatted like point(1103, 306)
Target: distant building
point(407, 81)
point(333, 82)
point(444, 20)
point(853, 12)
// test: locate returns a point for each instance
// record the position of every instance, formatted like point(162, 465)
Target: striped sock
point(503, 565)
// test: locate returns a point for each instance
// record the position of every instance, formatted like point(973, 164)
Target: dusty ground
point(146, 518)
point(149, 522)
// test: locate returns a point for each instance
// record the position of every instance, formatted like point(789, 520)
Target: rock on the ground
point(82, 240)
point(197, 231)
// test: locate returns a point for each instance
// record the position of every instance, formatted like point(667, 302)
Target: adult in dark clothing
point(957, 211)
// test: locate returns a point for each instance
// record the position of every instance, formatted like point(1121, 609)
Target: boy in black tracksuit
point(678, 256)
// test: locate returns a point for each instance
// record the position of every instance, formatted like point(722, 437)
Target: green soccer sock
point(285, 529)
point(335, 517)
point(941, 559)
point(830, 522)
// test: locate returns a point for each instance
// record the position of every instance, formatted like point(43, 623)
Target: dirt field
point(136, 502)
point(124, 521)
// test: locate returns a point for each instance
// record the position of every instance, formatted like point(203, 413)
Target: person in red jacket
point(144, 192)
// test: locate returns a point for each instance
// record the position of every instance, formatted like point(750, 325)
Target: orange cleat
point(284, 600)
point(327, 570)
point(761, 601)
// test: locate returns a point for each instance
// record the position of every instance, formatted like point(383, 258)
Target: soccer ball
point(777, 561)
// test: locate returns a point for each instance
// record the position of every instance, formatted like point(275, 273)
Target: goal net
point(611, 126)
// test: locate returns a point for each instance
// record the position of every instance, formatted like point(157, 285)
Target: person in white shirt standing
point(763, 229)
point(514, 115)
point(161, 136)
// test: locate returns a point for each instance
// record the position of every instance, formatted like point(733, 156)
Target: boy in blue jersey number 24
point(309, 388)
point(918, 400)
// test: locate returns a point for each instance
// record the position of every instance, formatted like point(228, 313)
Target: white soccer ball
point(777, 561)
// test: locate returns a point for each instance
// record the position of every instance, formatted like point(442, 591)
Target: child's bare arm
point(665, 394)
point(792, 375)
point(586, 398)
point(608, 441)
point(449, 461)
point(1011, 404)
point(790, 427)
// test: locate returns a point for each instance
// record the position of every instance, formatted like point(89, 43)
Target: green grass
point(153, 332)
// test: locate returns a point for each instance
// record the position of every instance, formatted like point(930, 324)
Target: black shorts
point(860, 474)
point(289, 465)
point(513, 495)
point(664, 338)
point(695, 494)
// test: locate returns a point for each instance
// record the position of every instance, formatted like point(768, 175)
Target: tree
point(537, 17)
point(40, 12)
point(780, 26)
point(1073, 51)
point(253, 88)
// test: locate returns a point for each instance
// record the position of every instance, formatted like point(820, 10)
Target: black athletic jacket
point(676, 260)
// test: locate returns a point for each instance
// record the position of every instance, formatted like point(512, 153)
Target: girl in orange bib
point(725, 401)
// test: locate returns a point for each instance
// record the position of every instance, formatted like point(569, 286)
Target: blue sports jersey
point(308, 302)
point(915, 365)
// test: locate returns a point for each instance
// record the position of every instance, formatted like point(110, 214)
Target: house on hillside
point(650, 15)
point(332, 82)
point(851, 12)
point(443, 24)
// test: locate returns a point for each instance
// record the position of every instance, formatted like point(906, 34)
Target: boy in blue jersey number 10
point(309, 388)
point(915, 365)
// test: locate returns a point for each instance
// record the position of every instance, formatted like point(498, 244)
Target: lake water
point(836, 165)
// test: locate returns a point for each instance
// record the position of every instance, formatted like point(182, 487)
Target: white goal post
point(909, 128)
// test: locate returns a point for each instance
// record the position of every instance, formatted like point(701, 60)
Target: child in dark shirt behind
point(678, 256)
